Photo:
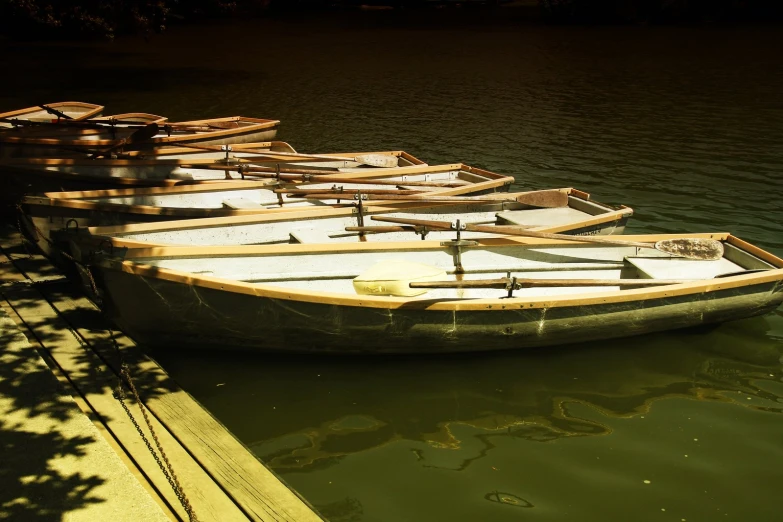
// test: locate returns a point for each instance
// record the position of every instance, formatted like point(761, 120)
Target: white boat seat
point(540, 216)
point(240, 203)
point(310, 235)
point(678, 268)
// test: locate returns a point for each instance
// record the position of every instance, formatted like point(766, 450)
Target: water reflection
point(301, 414)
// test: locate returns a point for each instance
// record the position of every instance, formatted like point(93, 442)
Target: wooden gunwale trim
point(145, 160)
point(246, 183)
point(756, 251)
point(151, 118)
point(221, 133)
point(413, 245)
point(235, 147)
point(580, 194)
point(486, 173)
point(410, 157)
point(111, 180)
point(148, 210)
point(226, 119)
point(486, 304)
point(599, 219)
point(324, 212)
point(281, 211)
point(180, 189)
point(95, 109)
point(195, 137)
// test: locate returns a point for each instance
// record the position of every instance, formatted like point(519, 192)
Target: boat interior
point(296, 268)
point(327, 228)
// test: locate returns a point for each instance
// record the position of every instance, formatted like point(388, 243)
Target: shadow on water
point(37, 437)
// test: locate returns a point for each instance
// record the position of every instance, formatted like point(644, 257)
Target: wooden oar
point(143, 134)
point(55, 112)
point(374, 160)
point(337, 193)
point(541, 198)
point(320, 176)
point(688, 248)
point(516, 283)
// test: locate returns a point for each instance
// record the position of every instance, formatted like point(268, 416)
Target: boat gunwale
point(95, 109)
point(31, 163)
point(255, 126)
point(148, 157)
point(114, 233)
point(146, 209)
point(99, 193)
point(267, 290)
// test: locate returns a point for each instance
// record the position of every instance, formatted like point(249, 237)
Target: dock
point(94, 429)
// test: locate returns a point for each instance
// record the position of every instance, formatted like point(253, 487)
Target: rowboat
point(344, 224)
point(428, 296)
point(59, 210)
point(88, 137)
point(166, 166)
point(77, 111)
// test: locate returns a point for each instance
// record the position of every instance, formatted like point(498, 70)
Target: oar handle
point(513, 231)
point(380, 229)
point(338, 193)
point(517, 283)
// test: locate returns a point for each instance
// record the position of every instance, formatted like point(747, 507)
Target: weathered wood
point(221, 477)
point(688, 248)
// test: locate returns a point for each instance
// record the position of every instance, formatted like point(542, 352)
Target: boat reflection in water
point(307, 414)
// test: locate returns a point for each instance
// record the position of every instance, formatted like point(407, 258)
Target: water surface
point(685, 125)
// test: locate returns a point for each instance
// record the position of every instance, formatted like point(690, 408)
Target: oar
point(55, 112)
point(143, 134)
point(340, 193)
point(688, 248)
point(373, 160)
point(320, 176)
point(516, 283)
point(541, 198)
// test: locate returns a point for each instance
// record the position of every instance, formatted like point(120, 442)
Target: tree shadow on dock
point(43, 433)
point(35, 455)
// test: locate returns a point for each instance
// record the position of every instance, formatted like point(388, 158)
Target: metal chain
point(167, 469)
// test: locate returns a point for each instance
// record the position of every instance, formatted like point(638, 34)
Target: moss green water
point(685, 125)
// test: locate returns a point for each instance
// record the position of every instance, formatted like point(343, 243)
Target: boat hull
point(169, 314)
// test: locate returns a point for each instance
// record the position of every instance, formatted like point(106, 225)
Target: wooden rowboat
point(580, 215)
point(167, 166)
point(59, 210)
point(77, 111)
point(304, 298)
point(85, 139)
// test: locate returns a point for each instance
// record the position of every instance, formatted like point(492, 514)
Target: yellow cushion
point(392, 277)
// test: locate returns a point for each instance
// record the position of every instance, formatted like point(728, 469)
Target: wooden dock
point(219, 478)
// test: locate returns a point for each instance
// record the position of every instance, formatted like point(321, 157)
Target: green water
point(685, 125)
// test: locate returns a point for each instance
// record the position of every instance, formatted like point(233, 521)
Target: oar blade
point(544, 199)
point(378, 160)
point(692, 248)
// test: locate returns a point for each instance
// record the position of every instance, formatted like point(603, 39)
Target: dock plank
point(230, 482)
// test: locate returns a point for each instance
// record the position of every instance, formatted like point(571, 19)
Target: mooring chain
point(167, 469)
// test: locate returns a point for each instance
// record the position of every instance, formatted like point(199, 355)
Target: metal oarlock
point(457, 245)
